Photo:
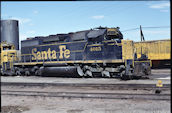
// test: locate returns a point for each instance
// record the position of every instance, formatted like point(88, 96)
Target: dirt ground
point(70, 105)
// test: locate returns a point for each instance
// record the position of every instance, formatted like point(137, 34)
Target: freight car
point(90, 53)
point(158, 51)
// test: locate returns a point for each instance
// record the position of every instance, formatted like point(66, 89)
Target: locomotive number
point(95, 49)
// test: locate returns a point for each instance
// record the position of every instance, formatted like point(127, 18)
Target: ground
point(66, 105)
point(27, 104)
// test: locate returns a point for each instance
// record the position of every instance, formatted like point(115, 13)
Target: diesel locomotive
point(98, 52)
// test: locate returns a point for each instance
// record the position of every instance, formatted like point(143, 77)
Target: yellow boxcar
point(158, 51)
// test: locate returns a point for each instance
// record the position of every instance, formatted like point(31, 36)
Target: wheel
point(124, 76)
point(80, 71)
point(27, 73)
point(38, 72)
point(105, 74)
point(88, 73)
point(18, 73)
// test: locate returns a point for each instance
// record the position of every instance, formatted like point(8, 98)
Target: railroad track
point(88, 85)
point(88, 95)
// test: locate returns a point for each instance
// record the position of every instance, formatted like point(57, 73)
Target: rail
point(92, 85)
point(165, 97)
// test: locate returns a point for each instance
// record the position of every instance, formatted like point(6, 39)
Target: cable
point(146, 27)
point(130, 29)
point(158, 27)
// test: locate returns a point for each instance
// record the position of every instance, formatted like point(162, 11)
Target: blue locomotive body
point(94, 47)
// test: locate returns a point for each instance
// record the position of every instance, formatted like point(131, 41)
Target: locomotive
point(98, 52)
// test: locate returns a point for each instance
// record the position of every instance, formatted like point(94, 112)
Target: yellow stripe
point(78, 61)
point(115, 44)
point(77, 51)
point(5, 67)
point(25, 54)
point(118, 44)
point(96, 45)
point(133, 63)
point(111, 44)
point(109, 41)
point(29, 63)
point(150, 63)
point(125, 62)
point(60, 43)
point(85, 46)
point(141, 61)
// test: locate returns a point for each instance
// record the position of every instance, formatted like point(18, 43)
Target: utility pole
point(141, 34)
point(142, 38)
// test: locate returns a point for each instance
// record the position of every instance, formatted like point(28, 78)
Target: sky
point(48, 18)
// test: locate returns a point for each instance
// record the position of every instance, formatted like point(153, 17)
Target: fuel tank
point(62, 71)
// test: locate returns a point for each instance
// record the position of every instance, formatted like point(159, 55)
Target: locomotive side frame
point(124, 67)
